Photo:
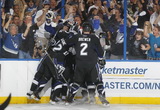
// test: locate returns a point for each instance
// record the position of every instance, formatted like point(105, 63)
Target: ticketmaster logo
point(124, 71)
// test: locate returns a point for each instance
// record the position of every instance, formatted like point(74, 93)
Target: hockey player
point(65, 59)
point(45, 70)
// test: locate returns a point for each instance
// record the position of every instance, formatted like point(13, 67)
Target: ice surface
point(81, 107)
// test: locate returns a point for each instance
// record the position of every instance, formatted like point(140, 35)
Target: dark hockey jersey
point(87, 47)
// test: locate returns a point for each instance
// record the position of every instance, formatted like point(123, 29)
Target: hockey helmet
point(87, 27)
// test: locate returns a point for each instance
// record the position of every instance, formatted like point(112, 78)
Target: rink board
point(125, 82)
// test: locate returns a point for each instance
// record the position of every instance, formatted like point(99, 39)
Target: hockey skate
point(70, 99)
point(103, 100)
point(92, 100)
point(84, 100)
point(35, 96)
point(55, 101)
point(29, 94)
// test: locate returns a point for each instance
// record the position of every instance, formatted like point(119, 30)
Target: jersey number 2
point(84, 47)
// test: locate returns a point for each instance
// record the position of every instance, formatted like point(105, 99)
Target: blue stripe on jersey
point(12, 42)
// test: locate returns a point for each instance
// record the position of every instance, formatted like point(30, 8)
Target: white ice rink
point(81, 107)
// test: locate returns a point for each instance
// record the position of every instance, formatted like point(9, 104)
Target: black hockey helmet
point(87, 27)
point(66, 23)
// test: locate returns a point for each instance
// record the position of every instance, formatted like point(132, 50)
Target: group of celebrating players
point(72, 60)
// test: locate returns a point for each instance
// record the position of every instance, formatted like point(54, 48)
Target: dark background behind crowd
point(29, 25)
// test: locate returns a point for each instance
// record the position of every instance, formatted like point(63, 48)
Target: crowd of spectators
point(27, 26)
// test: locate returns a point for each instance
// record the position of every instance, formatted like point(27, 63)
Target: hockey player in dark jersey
point(65, 59)
point(88, 50)
point(46, 70)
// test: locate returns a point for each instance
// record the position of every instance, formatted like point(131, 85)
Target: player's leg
point(78, 80)
point(84, 93)
point(100, 89)
point(37, 77)
point(56, 91)
point(91, 90)
point(91, 79)
point(67, 80)
point(46, 77)
point(72, 91)
point(64, 91)
point(101, 92)
point(50, 72)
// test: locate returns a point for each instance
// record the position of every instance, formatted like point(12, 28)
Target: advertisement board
point(132, 80)
point(124, 82)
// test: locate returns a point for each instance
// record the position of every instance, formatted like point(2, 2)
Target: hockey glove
point(101, 62)
point(60, 69)
point(53, 42)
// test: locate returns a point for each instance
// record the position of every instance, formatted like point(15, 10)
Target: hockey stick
point(102, 99)
point(51, 60)
point(56, 67)
point(67, 82)
point(6, 103)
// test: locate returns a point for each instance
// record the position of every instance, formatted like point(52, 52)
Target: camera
point(39, 48)
point(38, 45)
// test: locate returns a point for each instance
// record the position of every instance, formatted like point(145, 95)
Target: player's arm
point(100, 53)
point(62, 42)
point(98, 48)
point(72, 40)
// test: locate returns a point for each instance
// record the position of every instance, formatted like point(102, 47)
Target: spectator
point(53, 4)
point(139, 46)
point(71, 12)
point(154, 41)
point(57, 19)
point(157, 21)
point(31, 5)
point(32, 9)
point(97, 24)
point(112, 25)
point(27, 46)
point(16, 20)
point(20, 3)
point(154, 16)
point(38, 3)
point(142, 8)
point(16, 10)
point(12, 39)
point(78, 21)
point(98, 6)
point(40, 33)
